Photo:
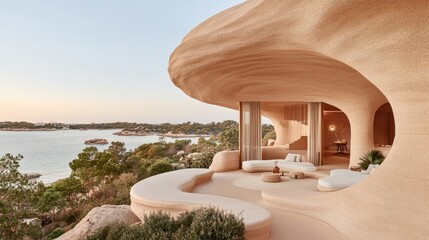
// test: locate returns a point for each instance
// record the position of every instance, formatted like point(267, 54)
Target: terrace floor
point(285, 224)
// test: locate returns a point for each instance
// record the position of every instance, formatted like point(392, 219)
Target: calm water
point(49, 152)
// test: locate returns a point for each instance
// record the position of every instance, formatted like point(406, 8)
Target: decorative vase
point(276, 169)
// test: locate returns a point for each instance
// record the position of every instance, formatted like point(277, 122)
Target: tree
point(160, 167)
point(156, 151)
point(70, 188)
point(93, 167)
point(270, 135)
point(18, 198)
point(229, 138)
point(199, 159)
point(51, 201)
point(266, 128)
point(84, 167)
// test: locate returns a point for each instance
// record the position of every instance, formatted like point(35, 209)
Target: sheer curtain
point(250, 131)
point(315, 134)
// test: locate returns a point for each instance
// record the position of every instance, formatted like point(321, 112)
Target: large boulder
point(99, 217)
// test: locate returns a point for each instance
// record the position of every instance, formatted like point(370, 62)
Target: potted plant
point(371, 157)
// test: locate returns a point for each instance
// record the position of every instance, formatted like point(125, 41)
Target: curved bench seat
point(339, 179)
point(171, 192)
point(267, 166)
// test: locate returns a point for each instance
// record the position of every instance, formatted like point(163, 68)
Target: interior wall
point(340, 130)
point(384, 126)
point(290, 123)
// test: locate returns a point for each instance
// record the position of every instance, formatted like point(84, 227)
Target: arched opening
point(384, 126)
point(336, 136)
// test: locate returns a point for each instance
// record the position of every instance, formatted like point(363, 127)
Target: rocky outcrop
point(99, 217)
point(96, 141)
point(131, 133)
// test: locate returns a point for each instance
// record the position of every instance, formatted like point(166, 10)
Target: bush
point(210, 223)
point(229, 138)
point(118, 231)
point(270, 135)
point(371, 157)
point(56, 233)
point(117, 192)
point(160, 167)
point(202, 223)
point(199, 160)
point(159, 225)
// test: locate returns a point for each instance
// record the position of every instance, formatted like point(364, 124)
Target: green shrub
point(56, 233)
point(118, 231)
point(198, 224)
point(159, 226)
point(160, 167)
point(270, 135)
point(210, 223)
point(371, 157)
point(199, 160)
point(116, 192)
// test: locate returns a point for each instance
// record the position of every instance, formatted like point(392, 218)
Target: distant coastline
point(179, 130)
point(169, 134)
point(182, 135)
point(29, 129)
point(121, 133)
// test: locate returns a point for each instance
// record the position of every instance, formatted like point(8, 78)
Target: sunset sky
point(98, 61)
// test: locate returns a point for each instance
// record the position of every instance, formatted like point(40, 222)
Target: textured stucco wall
point(367, 53)
point(342, 129)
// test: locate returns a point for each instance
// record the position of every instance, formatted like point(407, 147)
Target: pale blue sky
point(98, 61)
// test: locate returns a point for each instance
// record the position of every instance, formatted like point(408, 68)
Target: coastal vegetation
point(187, 128)
point(18, 201)
point(200, 223)
point(31, 209)
point(8, 125)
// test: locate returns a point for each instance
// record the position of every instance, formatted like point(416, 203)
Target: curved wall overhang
point(268, 75)
point(355, 55)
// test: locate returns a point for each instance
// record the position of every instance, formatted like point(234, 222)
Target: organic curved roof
point(355, 55)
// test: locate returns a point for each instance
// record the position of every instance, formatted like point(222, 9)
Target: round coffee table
point(270, 177)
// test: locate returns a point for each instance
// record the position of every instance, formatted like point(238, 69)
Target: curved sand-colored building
point(355, 55)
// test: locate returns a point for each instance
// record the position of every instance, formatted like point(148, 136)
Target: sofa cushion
point(293, 157)
point(285, 166)
point(290, 158)
point(341, 178)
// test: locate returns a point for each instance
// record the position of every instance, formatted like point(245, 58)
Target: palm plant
point(371, 157)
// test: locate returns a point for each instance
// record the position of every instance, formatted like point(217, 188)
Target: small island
point(31, 176)
point(96, 141)
point(131, 133)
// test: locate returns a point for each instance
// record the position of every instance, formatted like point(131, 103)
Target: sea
point(49, 152)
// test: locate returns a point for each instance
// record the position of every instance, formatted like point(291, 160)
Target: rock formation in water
point(96, 141)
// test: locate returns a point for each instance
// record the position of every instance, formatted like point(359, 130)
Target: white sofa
point(343, 178)
point(292, 162)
